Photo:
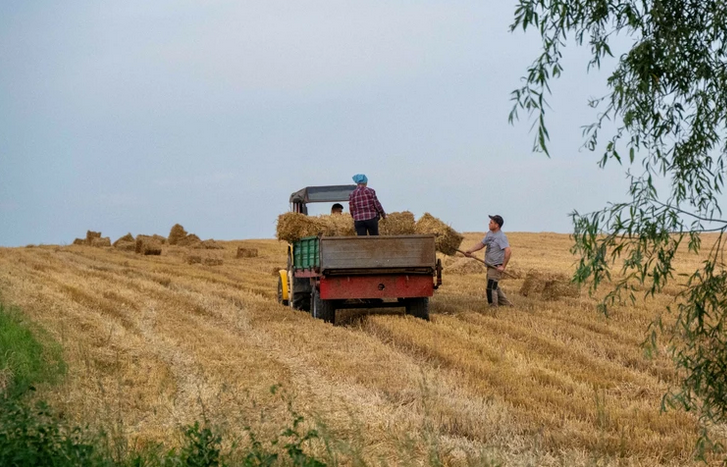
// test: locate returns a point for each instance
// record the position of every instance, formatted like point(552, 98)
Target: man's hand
point(501, 268)
point(467, 254)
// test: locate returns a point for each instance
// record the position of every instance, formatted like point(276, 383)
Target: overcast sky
point(133, 116)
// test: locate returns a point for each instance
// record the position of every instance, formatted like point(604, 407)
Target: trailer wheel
point(301, 299)
point(322, 309)
point(280, 291)
point(418, 307)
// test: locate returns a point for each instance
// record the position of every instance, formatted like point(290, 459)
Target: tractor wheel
point(322, 309)
point(301, 294)
point(280, 292)
point(418, 307)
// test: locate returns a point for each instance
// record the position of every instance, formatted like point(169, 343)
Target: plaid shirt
point(364, 204)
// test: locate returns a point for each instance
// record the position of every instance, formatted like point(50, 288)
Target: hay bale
point(548, 286)
point(210, 245)
point(190, 241)
point(293, 226)
point(193, 259)
point(398, 223)
point(246, 252)
point(177, 233)
point(147, 245)
point(339, 225)
point(213, 261)
point(79, 241)
point(125, 245)
point(90, 235)
point(126, 238)
point(101, 242)
point(159, 238)
point(447, 239)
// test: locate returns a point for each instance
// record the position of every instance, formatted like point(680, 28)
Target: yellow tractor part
point(284, 281)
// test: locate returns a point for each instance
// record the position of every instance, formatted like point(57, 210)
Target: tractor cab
point(319, 194)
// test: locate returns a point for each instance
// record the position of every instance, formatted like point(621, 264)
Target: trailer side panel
point(377, 252)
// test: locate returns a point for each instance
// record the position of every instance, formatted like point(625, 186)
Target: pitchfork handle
point(487, 264)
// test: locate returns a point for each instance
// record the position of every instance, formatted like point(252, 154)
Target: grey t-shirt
point(495, 244)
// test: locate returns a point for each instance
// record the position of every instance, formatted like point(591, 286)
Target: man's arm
point(508, 253)
point(477, 247)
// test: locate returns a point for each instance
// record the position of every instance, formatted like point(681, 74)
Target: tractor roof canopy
point(322, 194)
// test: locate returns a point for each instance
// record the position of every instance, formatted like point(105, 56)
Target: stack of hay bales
point(101, 242)
point(190, 241)
point(177, 233)
point(447, 239)
point(292, 226)
point(148, 245)
point(398, 223)
point(160, 239)
point(548, 286)
point(246, 252)
point(126, 243)
point(93, 239)
point(209, 245)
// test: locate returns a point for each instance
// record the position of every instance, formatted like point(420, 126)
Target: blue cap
point(360, 178)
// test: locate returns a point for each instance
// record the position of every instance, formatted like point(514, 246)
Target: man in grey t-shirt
point(497, 255)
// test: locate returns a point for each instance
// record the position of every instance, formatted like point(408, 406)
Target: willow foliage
point(668, 96)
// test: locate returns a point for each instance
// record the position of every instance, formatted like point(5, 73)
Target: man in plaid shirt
point(365, 207)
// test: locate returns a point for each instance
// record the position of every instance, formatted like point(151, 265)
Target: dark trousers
point(370, 226)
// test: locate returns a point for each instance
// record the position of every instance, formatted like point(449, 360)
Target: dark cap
point(497, 218)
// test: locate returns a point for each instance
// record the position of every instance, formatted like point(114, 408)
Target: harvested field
point(153, 343)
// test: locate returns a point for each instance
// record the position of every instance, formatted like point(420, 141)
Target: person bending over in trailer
point(365, 207)
point(497, 255)
point(337, 209)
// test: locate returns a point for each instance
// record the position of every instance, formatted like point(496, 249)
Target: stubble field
point(153, 343)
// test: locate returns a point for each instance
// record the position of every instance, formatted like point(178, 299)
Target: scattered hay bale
point(191, 241)
point(548, 286)
point(246, 252)
point(210, 245)
point(126, 238)
point(125, 245)
point(398, 223)
point(79, 241)
point(447, 239)
point(177, 233)
point(147, 245)
point(465, 266)
point(90, 235)
point(193, 259)
point(212, 261)
point(101, 242)
point(292, 226)
point(159, 238)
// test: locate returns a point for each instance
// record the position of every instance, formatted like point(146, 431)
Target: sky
point(134, 116)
